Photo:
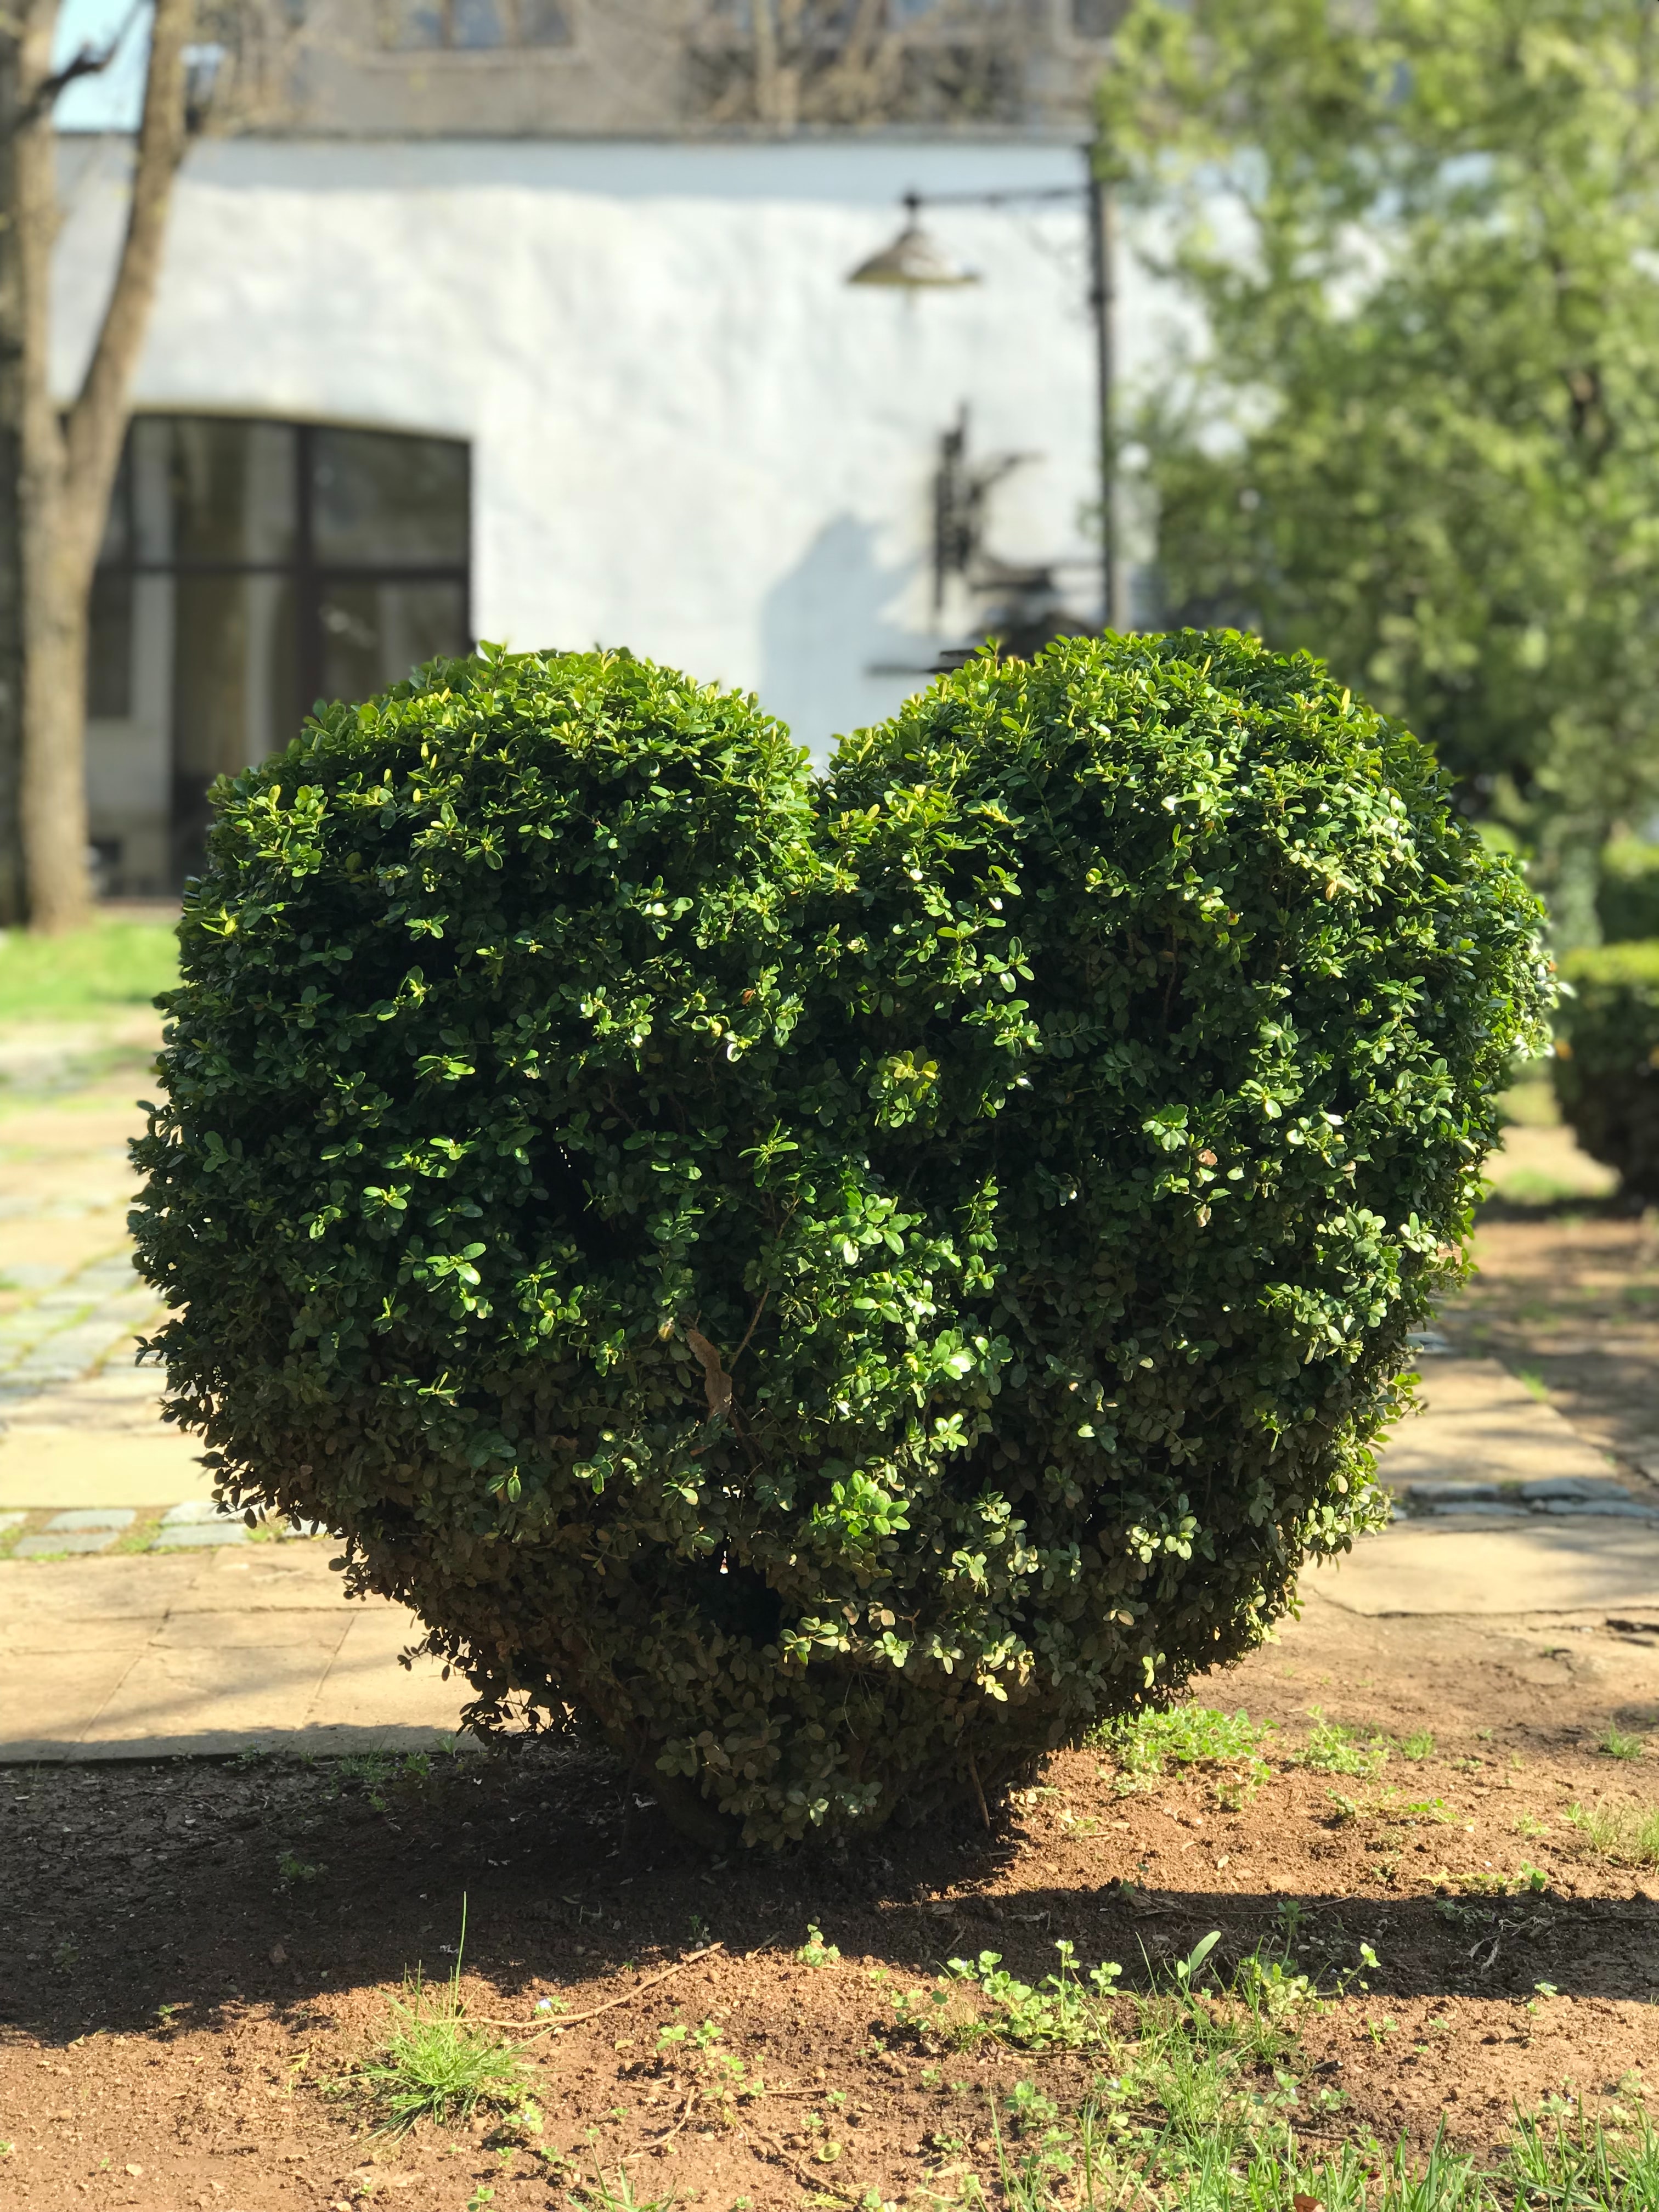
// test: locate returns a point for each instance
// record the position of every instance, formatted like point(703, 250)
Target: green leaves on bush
point(1605, 1068)
point(836, 1285)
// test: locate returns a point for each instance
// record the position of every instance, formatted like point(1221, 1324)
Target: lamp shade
point(913, 261)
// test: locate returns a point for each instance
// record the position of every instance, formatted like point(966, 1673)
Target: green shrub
point(837, 1286)
point(1627, 896)
point(1605, 1068)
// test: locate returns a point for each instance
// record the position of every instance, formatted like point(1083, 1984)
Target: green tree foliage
point(1424, 438)
point(841, 1284)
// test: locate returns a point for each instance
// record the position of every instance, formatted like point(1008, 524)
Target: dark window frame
point(311, 577)
point(307, 578)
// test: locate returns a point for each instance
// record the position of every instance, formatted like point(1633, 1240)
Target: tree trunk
point(53, 809)
point(11, 441)
point(67, 464)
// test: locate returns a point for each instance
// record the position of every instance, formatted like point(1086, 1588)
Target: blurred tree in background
point(1422, 435)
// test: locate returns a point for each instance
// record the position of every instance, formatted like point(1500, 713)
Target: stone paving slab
point(65, 1539)
point(1482, 1425)
point(200, 1537)
point(146, 1657)
point(1469, 1565)
point(71, 1466)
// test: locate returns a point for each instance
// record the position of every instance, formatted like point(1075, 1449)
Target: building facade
point(406, 389)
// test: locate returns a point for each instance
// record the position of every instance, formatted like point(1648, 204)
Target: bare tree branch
point(97, 421)
point(90, 61)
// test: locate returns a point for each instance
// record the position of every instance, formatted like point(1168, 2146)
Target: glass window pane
point(543, 23)
point(475, 23)
point(408, 25)
point(373, 634)
point(109, 646)
point(390, 500)
point(234, 689)
point(117, 523)
point(209, 491)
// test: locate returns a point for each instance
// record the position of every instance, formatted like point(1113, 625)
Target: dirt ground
point(195, 1957)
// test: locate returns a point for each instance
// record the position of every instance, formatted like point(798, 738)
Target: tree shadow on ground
point(208, 1886)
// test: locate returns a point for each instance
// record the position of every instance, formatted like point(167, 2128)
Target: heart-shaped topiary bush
point(837, 1286)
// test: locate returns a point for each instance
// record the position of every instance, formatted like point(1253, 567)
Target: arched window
point(249, 567)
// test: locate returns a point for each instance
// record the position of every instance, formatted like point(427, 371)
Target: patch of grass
point(1616, 1745)
point(1529, 1103)
point(1554, 2164)
point(1627, 1832)
point(383, 1774)
point(1534, 1384)
point(1533, 1187)
point(1418, 1745)
point(1202, 2102)
point(1182, 2127)
point(1331, 1749)
point(434, 2065)
point(1145, 1744)
point(113, 963)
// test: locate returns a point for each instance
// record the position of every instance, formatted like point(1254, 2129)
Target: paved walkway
point(1504, 1510)
point(215, 1651)
point(80, 1422)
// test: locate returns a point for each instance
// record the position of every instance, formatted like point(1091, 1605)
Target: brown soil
point(176, 2006)
point(194, 1956)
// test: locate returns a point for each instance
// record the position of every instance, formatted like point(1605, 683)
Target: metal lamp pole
point(914, 263)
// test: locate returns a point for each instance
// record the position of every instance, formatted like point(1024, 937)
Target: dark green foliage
point(1627, 896)
point(1606, 1063)
point(841, 1285)
point(1442, 448)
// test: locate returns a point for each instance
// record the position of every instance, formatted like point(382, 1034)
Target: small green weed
point(1617, 1745)
point(1184, 1736)
point(382, 1772)
point(293, 1869)
point(815, 1952)
point(1628, 1832)
point(434, 2065)
point(1331, 1749)
point(1028, 2107)
point(1063, 2012)
point(601, 2195)
point(1419, 1745)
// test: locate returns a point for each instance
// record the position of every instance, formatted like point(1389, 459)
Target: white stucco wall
point(690, 436)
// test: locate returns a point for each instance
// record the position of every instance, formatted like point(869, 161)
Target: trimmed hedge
point(1627, 896)
point(835, 1285)
point(1606, 1069)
